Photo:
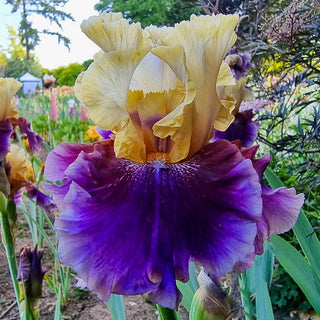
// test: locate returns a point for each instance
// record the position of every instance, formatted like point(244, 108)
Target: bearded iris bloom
point(8, 88)
point(9, 119)
point(137, 208)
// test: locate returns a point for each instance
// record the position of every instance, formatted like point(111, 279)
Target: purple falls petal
point(61, 157)
point(242, 128)
point(35, 141)
point(42, 200)
point(281, 208)
point(131, 228)
point(5, 133)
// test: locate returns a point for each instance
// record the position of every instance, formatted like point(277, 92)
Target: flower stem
point(167, 314)
point(8, 243)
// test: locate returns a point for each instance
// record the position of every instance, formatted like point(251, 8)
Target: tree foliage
point(14, 61)
point(49, 9)
point(292, 128)
point(66, 75)
point(160, 13)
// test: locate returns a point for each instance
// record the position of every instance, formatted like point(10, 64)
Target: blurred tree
point(15, 61)
point(49, 9)
point(67, 75)
point(156, 12)
point(87, 63)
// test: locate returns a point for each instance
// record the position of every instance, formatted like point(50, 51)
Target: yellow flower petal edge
point(8, 88)
point(177, 70)
point(205, 41)
point(21, 168)
point(104, 87)
point(111, 32)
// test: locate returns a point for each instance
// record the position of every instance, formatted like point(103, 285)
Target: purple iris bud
point(5, 133)
point(211, 209)
point(35, 141)
point(30, 271)
point(42, 200)
point(243, 128)
point(73, 111)
point(105, 134)
point(239, 63)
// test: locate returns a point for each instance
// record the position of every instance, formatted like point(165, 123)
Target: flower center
point(157, 156)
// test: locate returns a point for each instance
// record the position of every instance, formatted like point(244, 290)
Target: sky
point(51, 54)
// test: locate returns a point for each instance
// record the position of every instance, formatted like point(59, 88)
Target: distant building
point(30, 83)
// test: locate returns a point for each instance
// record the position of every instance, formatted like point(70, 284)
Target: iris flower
point(9, 118)
point(136, 209)
point(8, 88)
point(15, 168)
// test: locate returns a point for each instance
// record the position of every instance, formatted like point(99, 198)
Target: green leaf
point(188, 289)
point(273, 179)
point(299, 269)
point(44, 234)
point(308, 241)
point(187, 294)
point(3, 203)
point(116, 307)
point(168, 314)
point(57, 310)
point(263, 266)
point(255, 282)
point(263, 302)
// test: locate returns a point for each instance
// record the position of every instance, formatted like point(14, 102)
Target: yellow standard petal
point(104, 87)
point(8, 88)
point(160, 90)
point(20, 167)
point(205, 41)
point(111, 32)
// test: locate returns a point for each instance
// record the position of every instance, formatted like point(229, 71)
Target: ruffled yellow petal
point(179, 126)
point(129, 143)
point(111, 32)
point(157, 34)
point(153, 75)
point(8, 88)
point(77, 86)
point(136, 138)
point(104, 86)
point(225, 76)
point(205, 41)
point(168, 98)
point(237, 94)
point(20, 167)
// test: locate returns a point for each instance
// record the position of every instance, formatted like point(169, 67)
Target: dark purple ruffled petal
point(42, 200)
point(35, 141)
point(61, 157)
point(5, 133)
point(280, 209)
point(242, 128)
point(131, 228)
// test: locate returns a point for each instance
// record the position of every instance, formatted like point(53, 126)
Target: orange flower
point(92, 134)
